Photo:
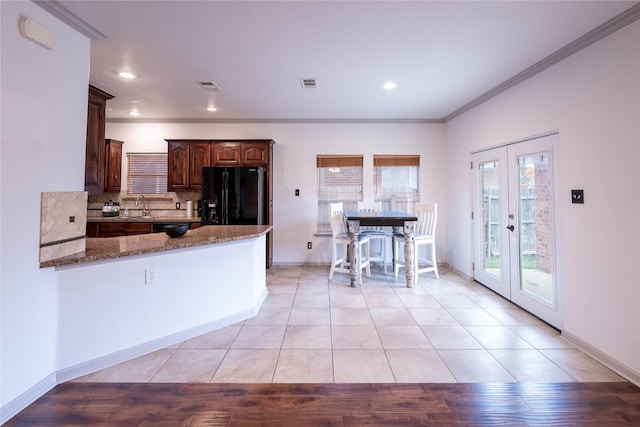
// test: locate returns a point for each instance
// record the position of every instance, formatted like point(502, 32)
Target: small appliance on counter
point(111, 209)
point(210, 212)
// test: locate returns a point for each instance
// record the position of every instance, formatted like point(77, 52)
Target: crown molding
point(276, 121)
point(69, 18)
point(611, 26)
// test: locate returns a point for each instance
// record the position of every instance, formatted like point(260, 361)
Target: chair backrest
point(427, 214)
point(369, 206)
point(335, 207)
point(338, 224)
point(404, 203)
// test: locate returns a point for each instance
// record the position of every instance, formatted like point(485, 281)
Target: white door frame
point(507, 280)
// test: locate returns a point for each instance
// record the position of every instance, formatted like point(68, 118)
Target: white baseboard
point(12, 408)
point(112, 359)
point(611, 363)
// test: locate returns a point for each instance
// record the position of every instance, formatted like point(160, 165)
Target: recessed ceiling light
point(390, 86)
point(127, 75)
point(211, 108)
point(134, 113)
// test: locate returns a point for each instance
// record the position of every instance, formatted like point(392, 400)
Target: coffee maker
point(209, 211)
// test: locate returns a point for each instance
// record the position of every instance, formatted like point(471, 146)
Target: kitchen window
point(147, 173)
point(339, 180)
point(396, 181)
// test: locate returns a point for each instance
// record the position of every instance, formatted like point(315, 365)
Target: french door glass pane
point(535, 228)
point(490, 193)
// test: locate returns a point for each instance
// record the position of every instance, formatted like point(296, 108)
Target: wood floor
point(481, 404)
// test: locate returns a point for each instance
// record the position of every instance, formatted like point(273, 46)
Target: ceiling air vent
point(210, 86)
point(308, 83)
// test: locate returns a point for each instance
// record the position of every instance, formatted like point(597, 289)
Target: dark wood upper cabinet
point(95, 148)
point(113, 165)
point(199, 157)
point(255, 154)
point(185, 162)
point(178, 166)
point(241, 153)
point(226, 154)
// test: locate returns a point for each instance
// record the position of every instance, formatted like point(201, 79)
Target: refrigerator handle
point(225, 197)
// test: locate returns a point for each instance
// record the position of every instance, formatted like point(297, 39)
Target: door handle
point(510, 227)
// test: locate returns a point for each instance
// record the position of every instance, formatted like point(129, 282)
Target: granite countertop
point(102, 248)
point(138, 218)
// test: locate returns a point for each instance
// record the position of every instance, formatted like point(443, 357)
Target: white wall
point(593, 99)
point(295, 167)
point(43, 135)
point(108, 313)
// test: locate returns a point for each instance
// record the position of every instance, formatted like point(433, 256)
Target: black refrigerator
point(234, 195)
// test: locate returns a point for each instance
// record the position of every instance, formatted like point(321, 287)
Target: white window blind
point(396, 181)
point(339, 180)
point(147, 173)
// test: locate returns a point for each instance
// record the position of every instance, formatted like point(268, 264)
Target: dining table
point(400, 222)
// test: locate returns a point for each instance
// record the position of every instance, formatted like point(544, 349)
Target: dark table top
point(384, 218)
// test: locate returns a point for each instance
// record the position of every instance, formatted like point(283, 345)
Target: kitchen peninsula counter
point(105, 248)
point(127, 296)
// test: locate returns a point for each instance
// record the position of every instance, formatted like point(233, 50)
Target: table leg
point(354, 271)
point(409, 250)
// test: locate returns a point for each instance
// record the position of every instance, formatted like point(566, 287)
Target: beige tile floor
point(313, 330)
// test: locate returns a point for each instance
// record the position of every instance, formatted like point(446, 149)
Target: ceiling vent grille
point(308, 83)
point(210, 86)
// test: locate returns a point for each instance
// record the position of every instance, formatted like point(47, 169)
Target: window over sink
point(147, 173)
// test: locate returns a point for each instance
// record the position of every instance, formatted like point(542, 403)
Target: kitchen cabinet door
point(113, 166)
point(116, 229)
point(95, 145)
point(226, 154)
point(178, 166)
point(199, 157)
point(255, 154)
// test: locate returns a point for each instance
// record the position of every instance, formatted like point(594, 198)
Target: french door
point(514, 224)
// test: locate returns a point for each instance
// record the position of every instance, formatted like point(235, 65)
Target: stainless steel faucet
point(145, 211)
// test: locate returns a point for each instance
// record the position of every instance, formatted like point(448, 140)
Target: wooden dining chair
point(425, 235)
point(340, 238)
point(375, 234)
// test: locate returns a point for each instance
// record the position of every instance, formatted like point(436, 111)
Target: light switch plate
point(577, 196)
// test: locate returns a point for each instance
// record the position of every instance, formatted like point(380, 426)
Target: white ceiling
point(442, 54)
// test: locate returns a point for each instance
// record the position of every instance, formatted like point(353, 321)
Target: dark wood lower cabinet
point(116, 229)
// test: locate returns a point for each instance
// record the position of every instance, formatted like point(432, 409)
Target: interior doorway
point(515, 224)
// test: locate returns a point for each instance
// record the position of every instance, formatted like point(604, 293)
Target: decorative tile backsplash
point(63, 224)
point(158, 204)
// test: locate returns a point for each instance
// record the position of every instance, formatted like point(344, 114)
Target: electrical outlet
point(177, 205)
point(72, 218)
point(297, 191)
point(150, 276)
point(309, 245)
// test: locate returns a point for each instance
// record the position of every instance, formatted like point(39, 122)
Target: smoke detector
point(210, 86)
point(308, 83)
